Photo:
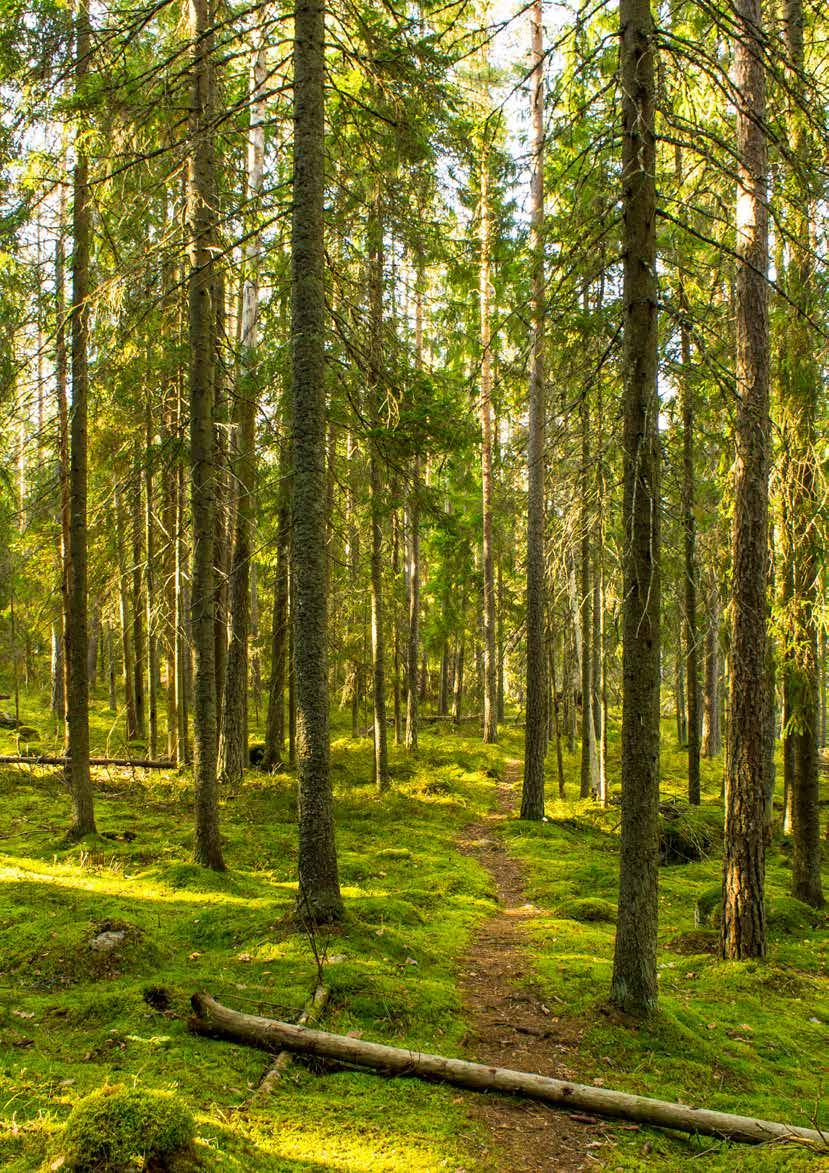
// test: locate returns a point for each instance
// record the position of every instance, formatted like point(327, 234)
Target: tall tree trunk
point(802, 387)
point(556, 720)
point(318, 880)
point(443, 678)
point(57, 700)
point(395, 570)
point(201, 216)
point(744, 863)
point(691, 576)
point(128, 662)
point(113, 697)
point(137, 520)
point(77, 699)
point(589, 758)
point(711, 734)
point(63, 457)
point(535, 741)
point(92, 651)
point(275, 719)
point(457, 688)
point(490, 666)
point(233, 748)
point(413, 571)
point(679, 698)
point(634, 986)
point(182, 646)
point(152, 609)
point(501, 645)
point(378, 504)
point(170, 476)
point(224, 494)
point(597, 679)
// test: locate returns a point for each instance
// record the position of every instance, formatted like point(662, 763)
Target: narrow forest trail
point(510, 1024)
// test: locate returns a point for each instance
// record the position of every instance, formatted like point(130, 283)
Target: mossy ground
point(740, 1037)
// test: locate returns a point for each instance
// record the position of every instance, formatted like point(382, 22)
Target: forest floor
point(464, 926)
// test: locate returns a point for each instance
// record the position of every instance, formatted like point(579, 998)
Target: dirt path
point(511, 1025)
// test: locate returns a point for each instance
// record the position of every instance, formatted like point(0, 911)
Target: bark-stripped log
point(213, 1019)
point(43, 760)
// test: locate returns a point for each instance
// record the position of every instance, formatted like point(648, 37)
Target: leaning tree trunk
point(801, 395)
point(77, 700)
point(744, 863)
point(634, 986)
point(490, 666)
point(318, 880)
point(201, 213)
point(535, 740)
point(233, 747)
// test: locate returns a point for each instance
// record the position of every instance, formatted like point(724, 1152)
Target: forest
point(414, 645)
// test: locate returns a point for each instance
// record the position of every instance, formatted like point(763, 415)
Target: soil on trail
point(512, 1025)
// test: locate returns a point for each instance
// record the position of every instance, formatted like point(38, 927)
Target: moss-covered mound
point(785, 916)
point(116, 1127)
point(589, 910)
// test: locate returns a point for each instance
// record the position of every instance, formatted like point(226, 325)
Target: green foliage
point(110, 1129)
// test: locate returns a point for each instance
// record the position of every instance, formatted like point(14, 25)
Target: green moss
point(116, 1126)
point(588, 910)
point(735, 1036)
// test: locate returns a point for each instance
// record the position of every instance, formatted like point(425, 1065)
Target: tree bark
point(634, 985)
point(138, 605)
point(711, 734)
point(63, 457)
point(801, 385)
point(378, 504)
point(318, 880)
point(589, 760)
point(152, 611)
point(744, 864)
point(413, 574)
point(77, 697)
point(275, 719)
point(535, 739)
point(213, 1019)
point(487, 559)
point(201, 224)
point(689, 534)
point(233, 746)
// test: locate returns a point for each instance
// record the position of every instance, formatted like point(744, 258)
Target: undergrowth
point(75, 1016)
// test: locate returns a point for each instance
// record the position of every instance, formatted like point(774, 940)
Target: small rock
point(108, 942)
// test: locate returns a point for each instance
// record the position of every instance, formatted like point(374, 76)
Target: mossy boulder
point(117, 1127)
point(588, 910)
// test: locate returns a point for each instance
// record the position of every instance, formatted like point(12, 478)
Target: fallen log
point(310, 1017)
point(212, 1019)
point(45, 760)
